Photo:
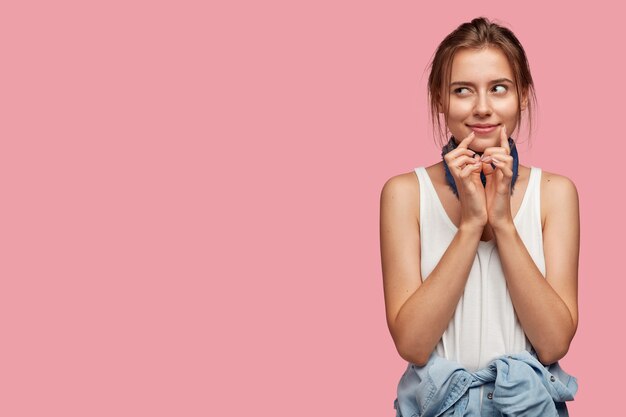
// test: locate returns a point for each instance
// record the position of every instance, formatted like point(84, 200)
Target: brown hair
point(478, 34)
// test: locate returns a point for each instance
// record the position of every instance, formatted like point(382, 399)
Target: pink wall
point(190, 197)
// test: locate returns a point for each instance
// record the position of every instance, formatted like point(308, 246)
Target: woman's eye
point(503, 88)
point(460, 89)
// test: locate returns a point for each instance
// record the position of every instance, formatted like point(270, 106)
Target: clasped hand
point(489, 204)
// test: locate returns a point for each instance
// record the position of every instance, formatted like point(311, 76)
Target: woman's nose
point(482, 106)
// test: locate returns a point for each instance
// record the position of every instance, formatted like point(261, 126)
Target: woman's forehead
point(480, 65)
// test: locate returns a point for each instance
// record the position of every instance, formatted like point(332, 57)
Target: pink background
point(189, 216)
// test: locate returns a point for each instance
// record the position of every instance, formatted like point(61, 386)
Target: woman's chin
point(481, 143)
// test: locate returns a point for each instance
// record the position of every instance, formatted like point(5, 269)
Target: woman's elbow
point(552, 355)
point(414, 356)
point(411, 347)
point(414, 359)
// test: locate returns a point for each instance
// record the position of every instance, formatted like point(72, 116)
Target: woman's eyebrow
point(499, 80)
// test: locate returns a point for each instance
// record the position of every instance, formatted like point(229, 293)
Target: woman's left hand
point(498, 186)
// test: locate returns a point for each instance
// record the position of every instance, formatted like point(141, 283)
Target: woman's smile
point(483, 129)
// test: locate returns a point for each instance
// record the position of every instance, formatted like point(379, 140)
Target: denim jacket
point(510, 385)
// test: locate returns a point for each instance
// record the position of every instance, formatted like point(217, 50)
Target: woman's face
point(482, 93)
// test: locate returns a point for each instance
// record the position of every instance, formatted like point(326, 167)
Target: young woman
point(480, 252)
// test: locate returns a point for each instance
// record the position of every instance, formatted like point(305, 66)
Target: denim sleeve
point(522, 386)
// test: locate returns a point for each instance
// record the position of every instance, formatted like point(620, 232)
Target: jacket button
point(552, 378)
point(490, 395)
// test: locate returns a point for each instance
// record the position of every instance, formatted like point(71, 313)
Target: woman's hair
point(478, 34)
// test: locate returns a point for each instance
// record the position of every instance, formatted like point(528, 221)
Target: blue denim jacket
point(512, 385)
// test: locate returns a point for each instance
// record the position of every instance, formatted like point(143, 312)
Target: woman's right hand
point(465, 167)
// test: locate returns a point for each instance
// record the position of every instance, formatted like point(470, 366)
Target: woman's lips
point(483, 130)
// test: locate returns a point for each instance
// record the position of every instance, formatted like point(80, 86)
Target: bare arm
point(547, 308)
point(418, 313)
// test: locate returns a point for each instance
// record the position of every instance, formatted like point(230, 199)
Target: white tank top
point(484, 325)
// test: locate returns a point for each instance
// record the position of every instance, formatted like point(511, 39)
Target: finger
point(494, 150)
point(488, 168)
point(506, 160)
point(468, 139)
point(501, 156)
point(462, 161)
point(455, 153)
point(469, 169)
point(504, 140)
point(508, 173)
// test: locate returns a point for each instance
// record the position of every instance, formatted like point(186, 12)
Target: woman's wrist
point(504, 228)
point(471, 229)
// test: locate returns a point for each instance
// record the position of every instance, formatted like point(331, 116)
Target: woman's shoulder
point(405, 184)
point(402, 191)
point(555, 185)
point(408, 182)
point(557, 192)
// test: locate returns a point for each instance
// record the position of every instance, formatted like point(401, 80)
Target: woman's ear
point(524, 100)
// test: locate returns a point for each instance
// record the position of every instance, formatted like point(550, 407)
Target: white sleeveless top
point(484, 325)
